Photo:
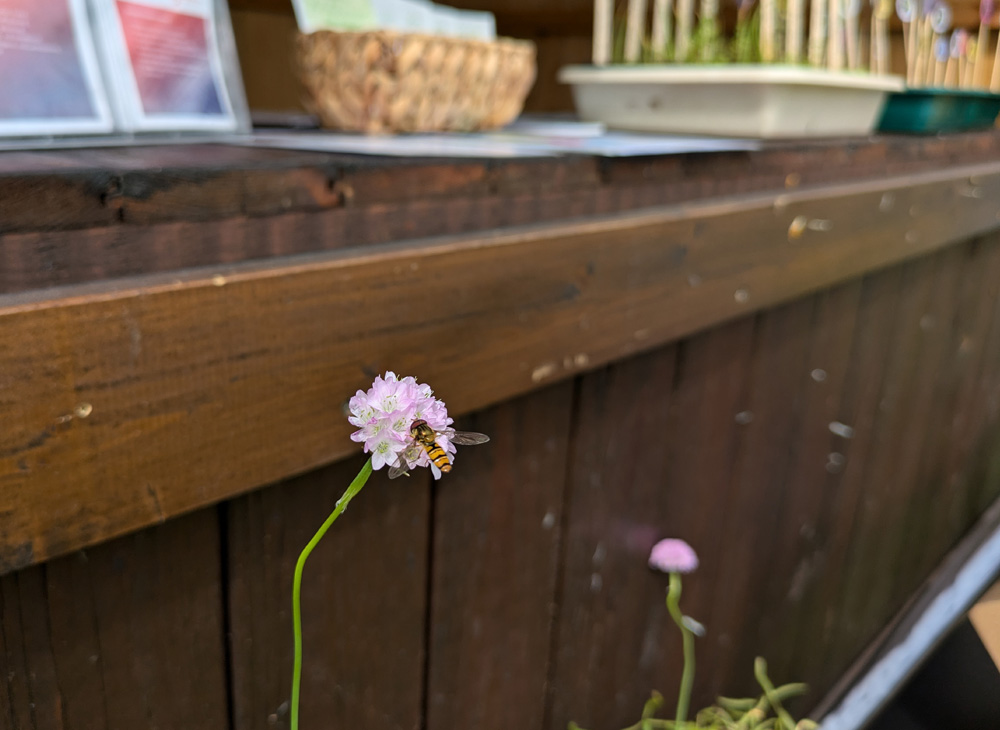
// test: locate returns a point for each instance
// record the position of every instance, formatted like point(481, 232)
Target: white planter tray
point(763, 102)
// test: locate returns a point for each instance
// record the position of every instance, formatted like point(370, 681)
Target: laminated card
point(50, 82)
point(164, 65)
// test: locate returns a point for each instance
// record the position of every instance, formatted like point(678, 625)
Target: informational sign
point(50, 81)
point(164, 64)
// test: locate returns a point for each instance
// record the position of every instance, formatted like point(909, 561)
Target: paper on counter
point(499, 145)
point(410, 145)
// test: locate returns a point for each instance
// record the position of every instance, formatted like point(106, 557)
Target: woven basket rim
point(388, 33)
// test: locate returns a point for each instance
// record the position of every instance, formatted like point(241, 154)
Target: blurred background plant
point(766, 712)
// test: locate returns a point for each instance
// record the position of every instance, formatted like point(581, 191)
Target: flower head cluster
point(673, 556)
point(384, 415)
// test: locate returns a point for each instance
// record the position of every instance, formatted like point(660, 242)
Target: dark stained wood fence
point(515, 593)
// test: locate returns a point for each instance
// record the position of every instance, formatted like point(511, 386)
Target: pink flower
point(673, 556)
point(384, 415)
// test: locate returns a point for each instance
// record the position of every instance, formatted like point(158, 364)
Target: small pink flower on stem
point(673, 556)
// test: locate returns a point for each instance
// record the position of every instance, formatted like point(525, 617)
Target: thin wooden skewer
point(709, 14)
point(603, 10)
point(851, 9)
point(962, 58)
point(662, 19)
point(907, 15)
point(923, 41)
point(873, 39)
point(970, 63)
point(982, 49)
point(835, 44)
point(817, 32)
point(793, 31)
point(951, 70)
point(938, 23)
point(883, 11)
point(635, 29)
point(941, 54)
point(768, 24)
point(685, 20)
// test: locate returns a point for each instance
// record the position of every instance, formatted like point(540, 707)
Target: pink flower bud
point(673, 556)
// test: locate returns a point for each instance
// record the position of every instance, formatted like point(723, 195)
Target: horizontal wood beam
point(129, 402)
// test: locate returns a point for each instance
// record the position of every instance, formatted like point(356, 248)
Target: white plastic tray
point(763, 102)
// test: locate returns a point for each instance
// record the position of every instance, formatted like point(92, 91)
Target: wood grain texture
point(123, 188)
point(818, 624)
point(656, 435)
point(798, 557)
point(811, 534)
point(497, 522)
point(887, 475)
point(363, 601)
point(128, 634)
point(161, 395)
point(770, 424)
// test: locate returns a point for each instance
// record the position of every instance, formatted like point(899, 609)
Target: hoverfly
point(424, 437)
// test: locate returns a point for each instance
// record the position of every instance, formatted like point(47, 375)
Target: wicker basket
point(386, 81)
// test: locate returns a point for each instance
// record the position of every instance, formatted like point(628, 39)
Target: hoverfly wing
point(467, 438)
point(399, 469)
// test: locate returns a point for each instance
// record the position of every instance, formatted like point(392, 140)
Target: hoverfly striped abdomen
point(427, 438)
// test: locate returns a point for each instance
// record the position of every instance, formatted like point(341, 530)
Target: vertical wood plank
point(798, 555)
point(497, 520)
point(770, 424)
point(656, 438)
point(127, 634)
point(888, 476)
point(818, 633)
point(363, 601)
point(938, 368)
point(817, 624)
point(970, 464)
point(29, 697)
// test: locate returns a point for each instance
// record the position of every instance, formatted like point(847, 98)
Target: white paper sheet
point(503, 144)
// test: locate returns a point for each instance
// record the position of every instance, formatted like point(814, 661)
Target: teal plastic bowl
point(929, 111)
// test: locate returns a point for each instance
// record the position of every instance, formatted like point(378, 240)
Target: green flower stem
point(760, 672)
point(687, 677)
point(353, 489)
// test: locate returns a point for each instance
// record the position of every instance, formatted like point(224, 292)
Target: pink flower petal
point(673, 556)
point(385, 413)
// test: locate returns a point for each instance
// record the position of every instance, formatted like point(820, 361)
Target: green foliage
point(707, 43)
point(766, 712)
point(745, 47)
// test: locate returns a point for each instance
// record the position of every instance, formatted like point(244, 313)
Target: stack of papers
point(528, 137)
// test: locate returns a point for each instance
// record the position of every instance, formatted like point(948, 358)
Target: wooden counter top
point(69, 216)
